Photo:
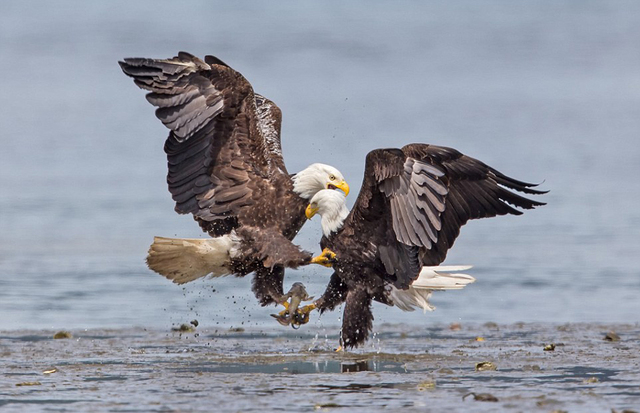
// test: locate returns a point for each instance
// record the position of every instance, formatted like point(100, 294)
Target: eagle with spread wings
point(409, 212)
point(226, 169)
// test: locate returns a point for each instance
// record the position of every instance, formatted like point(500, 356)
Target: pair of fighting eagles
point(226, 169)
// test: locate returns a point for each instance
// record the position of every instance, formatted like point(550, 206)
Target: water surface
point(544, 91)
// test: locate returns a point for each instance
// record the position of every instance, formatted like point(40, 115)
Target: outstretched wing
point(223, 148)
point(475, 190)
point(414, 200)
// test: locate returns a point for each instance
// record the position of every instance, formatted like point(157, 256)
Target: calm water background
point(543, 91)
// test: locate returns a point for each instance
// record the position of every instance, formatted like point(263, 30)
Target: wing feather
point(475, 190)
point(224, 141)
point(417, 198)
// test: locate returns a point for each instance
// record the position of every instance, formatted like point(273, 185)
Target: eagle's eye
point(332, 177)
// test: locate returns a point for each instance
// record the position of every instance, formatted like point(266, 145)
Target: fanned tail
point(182, 260)
point(443, 277)
point(431, 279)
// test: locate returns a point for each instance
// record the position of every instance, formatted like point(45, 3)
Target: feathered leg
point(267, 285)
point(357, 320)
point(333, 296)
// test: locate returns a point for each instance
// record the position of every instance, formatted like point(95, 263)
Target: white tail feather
point(186, 259)
point(443, 278)
point(430, 279)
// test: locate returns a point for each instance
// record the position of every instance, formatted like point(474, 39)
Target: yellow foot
point(339, 349)
point(327, 258)
point(307, 308)
point(284, 313)
point(302, 315)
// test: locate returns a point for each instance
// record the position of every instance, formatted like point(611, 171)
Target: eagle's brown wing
point(223, 149)
point(475, 190)
point(414, 200)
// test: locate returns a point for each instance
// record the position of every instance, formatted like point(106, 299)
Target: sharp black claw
point(282, 320)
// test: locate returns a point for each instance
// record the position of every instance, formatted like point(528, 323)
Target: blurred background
point(545, 91)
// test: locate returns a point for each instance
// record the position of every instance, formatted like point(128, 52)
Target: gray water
point(434, 370)
point(543, 91)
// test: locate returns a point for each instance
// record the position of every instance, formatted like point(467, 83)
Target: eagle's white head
point(317, 177)
point(332, 207)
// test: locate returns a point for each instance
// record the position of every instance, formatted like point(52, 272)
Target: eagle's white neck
point(332, 221)
point(332, 207)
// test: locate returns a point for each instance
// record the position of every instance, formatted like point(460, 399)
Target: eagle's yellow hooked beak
point(344, 186)
point(310, 211)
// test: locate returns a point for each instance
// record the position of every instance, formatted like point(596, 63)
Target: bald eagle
point(408, 214)
point(226, 169)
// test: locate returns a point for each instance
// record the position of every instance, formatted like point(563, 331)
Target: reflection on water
point(302, 367)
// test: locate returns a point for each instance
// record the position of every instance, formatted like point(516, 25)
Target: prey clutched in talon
point(302, 314)
point(282, 316)
point(292, 315)
point(327, 258)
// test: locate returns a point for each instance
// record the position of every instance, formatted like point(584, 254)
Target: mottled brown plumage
point(408, 214)
point(225, 164)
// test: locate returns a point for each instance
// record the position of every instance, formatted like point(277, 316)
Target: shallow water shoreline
point(538, 367)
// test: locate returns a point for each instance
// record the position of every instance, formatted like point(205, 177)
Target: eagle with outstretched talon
point(410, 209)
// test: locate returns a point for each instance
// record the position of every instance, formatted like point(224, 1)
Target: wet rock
point(327, 406)
point(29, 383)
point(184, 328)
point(591, 380)
point(485, 366)
point(549, 347)
point(62, 335)
point(426, 385)
point(612, 336)
point(482, 397)
point(455, 327)
point(236, 330)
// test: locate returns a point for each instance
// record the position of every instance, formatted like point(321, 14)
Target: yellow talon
point(320, 260)
point(325, 259)
point(307, 308)
point(340, 348)
point(283, 316)
point(302, 314)
point(284, 312)
point(328, 253)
